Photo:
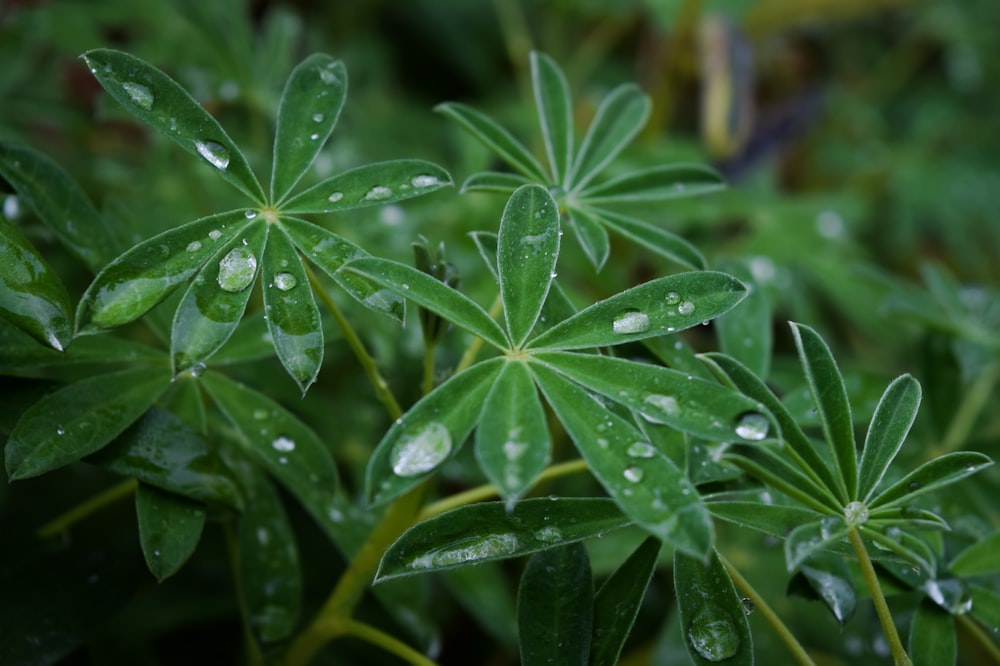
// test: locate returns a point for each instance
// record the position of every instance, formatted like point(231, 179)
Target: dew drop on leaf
point(549, 535)
point(665, 403)
point(829, 526)
point(633, 474)
point(214, 153)
point(237, 269)
point(641, 450)
point(856, 513)
point(335, 197)
point(713, 635)
point(285, 281)
point(672, 298)
point(685, 308)
point(752, 426)
point(425, 180)
point(631, 321)
point(215, 234)
point(416, 454)
point(378, 193)
point(317, 117)
point(283, 444)
point(327, 75)
point(140, 94)
point(476, 548)
point(193, 246)
point(250, 214)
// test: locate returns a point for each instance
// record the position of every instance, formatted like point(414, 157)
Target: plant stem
point(385, 641)
point(760, 605)
point(477, 343)
point(428, 382)
point(382, 391)
point(970, 408)
point(80, 511)
point(981, 636)
point(899, 655)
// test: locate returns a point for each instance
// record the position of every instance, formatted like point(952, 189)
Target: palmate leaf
point(890, 424)
point(160, 102)
point(555, 607)
point(170, 528)
point(620, 117)
point(492, 530)
point(555, 113)
point(769, 463)
point(310, 106)
point(32, 297)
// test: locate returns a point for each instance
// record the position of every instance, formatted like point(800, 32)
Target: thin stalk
point(477, 343)
point(899, 656)
point(980, 635)
point(761, 606)
point(386, 642)
point(428, 381)
point(63, 522)
point(382, 391)
point(969, 409)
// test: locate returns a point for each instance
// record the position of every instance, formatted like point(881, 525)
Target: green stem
point(477, 343)
point(969, 409)
point(428, 382)
point(386, 642)
point(382, 391)
point(899, 655)
point(84, 509)
point(760, 605)
point(983, 638)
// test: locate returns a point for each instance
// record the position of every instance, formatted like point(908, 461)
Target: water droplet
point(829, 224)
point(317, 117)
point(313, 136)
point(631, 321)
point(641, 450)
point(60, 431)
point(748, 605)
point(513, 450)
point(829, 526)
point(214, 234)
point(283, 444)
point(237, 269)
point(420, 453)
point(713, 635)
point(752, 426)
point(856, 513)
point(250, 214)
point(260, 414)
point(214, 153)
point(335, 197)
point(549, 535)
point(673, 298)
point(378, 193)
point(913, 485)
point(685, 308)
point(633, 473)
point(285, 281)
point(950, 594)
point(475, 548)
point(193, 246)
point(198, 369)
point(12, 207)
point(425, 180)
point(327, 76)
point(263, 536)
point(141, 95)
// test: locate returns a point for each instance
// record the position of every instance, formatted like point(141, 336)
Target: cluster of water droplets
point(487, 546)
point(634, 320)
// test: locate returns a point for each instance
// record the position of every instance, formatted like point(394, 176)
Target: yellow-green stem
point(761, 606)
point(899, 655)
point(385, 641)
point(84, 509)
point(428, 383)
point(970, 407)
point(381, 387)
point(981, 636)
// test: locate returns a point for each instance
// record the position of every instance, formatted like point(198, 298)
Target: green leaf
point(512, 439)
point(309, 108)
point(487, 243)
point(745, 332)
point(617, 603)
point(658, 183)
point(555, 607)
point(430, 433)
point(160, 102)
point(770, 465)
point(292, 315)
point(978, 559)
point(932, 637)
point(169, 529)
point(592, 236)
point(270, 576)
point(60, 203)
point(492, 530)
point(485, 593)
point(620, 117)
point(432, 294)
point(555, 113)
point(21, 355)
point(811, 538)
point(287, 448)
point(693, 405)
point(830, 397)
point(986, 608)
point(645, 483)
point(668, 245)
point(493, 181)
point(713, 619)
point(213, 305)
point(32, 296)
point(492, 135)
point(528, 247)
point(80, 418)
point(135, 282)
point(373, 184)
point(774, 519)
point(161, 450)
point(663, 305)
point(930, 476)
point(890, 424)
point(828, 579)
point(330, 251)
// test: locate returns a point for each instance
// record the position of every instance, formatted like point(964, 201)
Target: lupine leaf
point(660, 306)
point(528, 247)
point(21, 355)
point(932, 636)
point(745, 332)
point(555, 113)
point(770, 465)
point(136, 281)
point(309, 108)
point(293, 319)
point(979, 558)
point(774, 519)
point(492, 530)
point(81, 418)
point(930, 476)
point(489, 133)
point(664, 243)
point(657, 183)
point(555, 607)
point(828, 579)
point(169, 529)
point(811, 538)
point(157, 100)
point(890, 424)
point(373, 184)
point(591, 234)
point(430, 433)
point(32, 296)
point(620, 117)
point(494, 181)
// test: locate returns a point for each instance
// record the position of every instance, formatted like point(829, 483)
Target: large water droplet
point(215, 234)
point(631, 321)
point(476, 548)
point(285, 281)
point(685, 308)
point(140, 94)
point(193, 246)
point(950, 594)
point(327, 76)
point(672, 298)
point(214, 153)
point(425, 180)
point(416, 454)
point(665, 403)
point(641, 450)
point(713, 635)
point(12, 207)
point(549, 535)
point(378, 193)
point(317, 117)
point(752, 426)
point(856, 513)
point(237, 269)
point(283, 444)
point(633, 473)
point(335, 197)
